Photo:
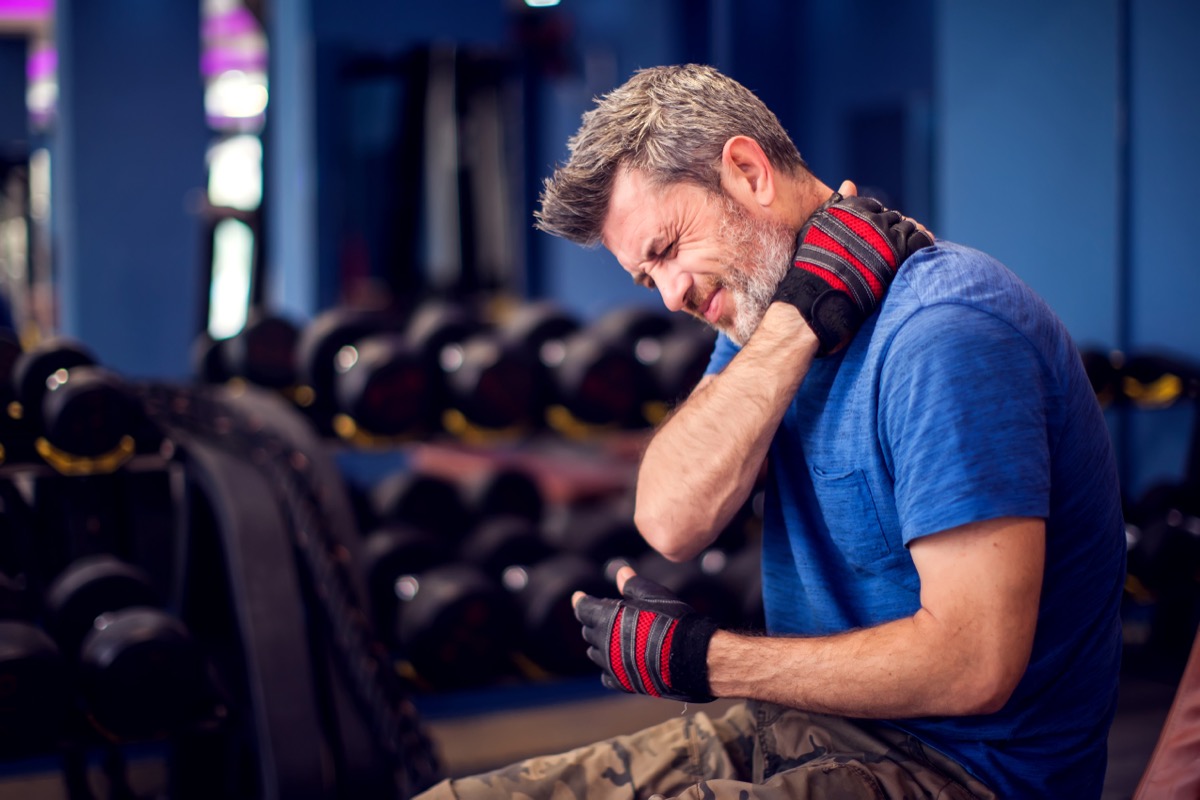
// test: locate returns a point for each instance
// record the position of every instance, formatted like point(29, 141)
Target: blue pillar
point(291, 163)
point(127, 173)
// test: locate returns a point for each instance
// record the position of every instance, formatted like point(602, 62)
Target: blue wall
point(1027, 151)
point(128, 169)
point(1067, 139)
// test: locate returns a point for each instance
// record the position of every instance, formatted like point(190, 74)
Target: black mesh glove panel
point(649, 642)
point(846, 257)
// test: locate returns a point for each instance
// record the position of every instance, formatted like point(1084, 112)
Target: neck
point(805, 194)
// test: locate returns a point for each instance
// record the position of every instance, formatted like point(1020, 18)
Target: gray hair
point(670, 122)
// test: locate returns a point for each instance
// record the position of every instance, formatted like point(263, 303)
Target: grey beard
point(764, 252)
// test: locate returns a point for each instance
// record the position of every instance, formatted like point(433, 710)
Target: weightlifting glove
point(846, 256)
point(648, 642)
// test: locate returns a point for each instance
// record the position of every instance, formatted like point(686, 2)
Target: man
point(943, 550)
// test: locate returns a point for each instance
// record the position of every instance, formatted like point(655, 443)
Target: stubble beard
point(758, 253)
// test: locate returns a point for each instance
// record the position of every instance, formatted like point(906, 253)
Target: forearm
point(701, 464)
point(900, 669)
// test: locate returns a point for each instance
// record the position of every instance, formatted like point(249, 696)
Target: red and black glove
point(648, 642)
point(846, 256)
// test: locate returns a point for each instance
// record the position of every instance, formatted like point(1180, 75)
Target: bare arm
point(701, 464)
point(962, 652)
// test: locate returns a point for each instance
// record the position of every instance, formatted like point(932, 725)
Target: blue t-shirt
point(964, 399)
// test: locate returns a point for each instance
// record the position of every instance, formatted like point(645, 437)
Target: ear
point(746, 172)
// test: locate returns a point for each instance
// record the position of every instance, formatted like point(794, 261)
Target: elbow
point(985, 691)
point(669, 537)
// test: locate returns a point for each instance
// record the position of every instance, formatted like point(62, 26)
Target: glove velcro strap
point(851, 254)
point(689, 658)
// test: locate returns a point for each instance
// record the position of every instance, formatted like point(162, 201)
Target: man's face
point(705, 254)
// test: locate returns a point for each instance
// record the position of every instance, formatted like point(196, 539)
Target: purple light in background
point(41, 64)
point(26, 9)
point(232, 41)
point(216, 60)
point(237, 22)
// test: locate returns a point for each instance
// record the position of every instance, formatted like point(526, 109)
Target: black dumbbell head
point(321, 340)
point(422, 500)
point(551, 633)
point(89, 411)
point(439, 323)
point(500, 542)
point(627, 324)
point(89, 587)
point(599, 532)
point(34, 689)
point(386, 387)
point(683, 357)
point(598, 382)
point(143, 676)
point(264, 351)
point(42, 364)
point(490, 382)
point(502, 491)
point(457, 627)
point(208, 359)
point(389, 553)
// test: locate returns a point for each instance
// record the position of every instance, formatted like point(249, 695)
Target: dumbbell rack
point(302, 704)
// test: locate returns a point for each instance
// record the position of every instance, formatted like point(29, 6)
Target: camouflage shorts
point(757, 750)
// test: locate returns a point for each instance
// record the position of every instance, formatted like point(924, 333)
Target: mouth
point(711, 310)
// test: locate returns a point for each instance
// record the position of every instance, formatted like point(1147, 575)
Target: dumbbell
point(600, 531)
point(501, 490)
point(317, 356)
point(541, 329)
point(42, 366)
point(384, 389)
point(456, 626)
point(487, 382)
point(628, 325)
point(421, 500)
point(676, 363)
point(597, 384)
point(1104, 374)
point(390, 553)
point(503, 543)
point(85, 416)
point(142, 676)
point(263, 352)
point(90, 419)
point(1152, 381)
point(207, 359)
point(551, 637)
point(34, 682)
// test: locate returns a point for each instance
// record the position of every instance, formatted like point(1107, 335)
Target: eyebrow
point(652, 247)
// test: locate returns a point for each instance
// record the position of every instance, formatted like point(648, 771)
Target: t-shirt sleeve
point(963, 412)
point(723, 352)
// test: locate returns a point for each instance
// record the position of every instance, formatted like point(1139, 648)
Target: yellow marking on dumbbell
point(70, 464)
point(1159, 393)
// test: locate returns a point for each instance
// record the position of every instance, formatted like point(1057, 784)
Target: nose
point(673, 285)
